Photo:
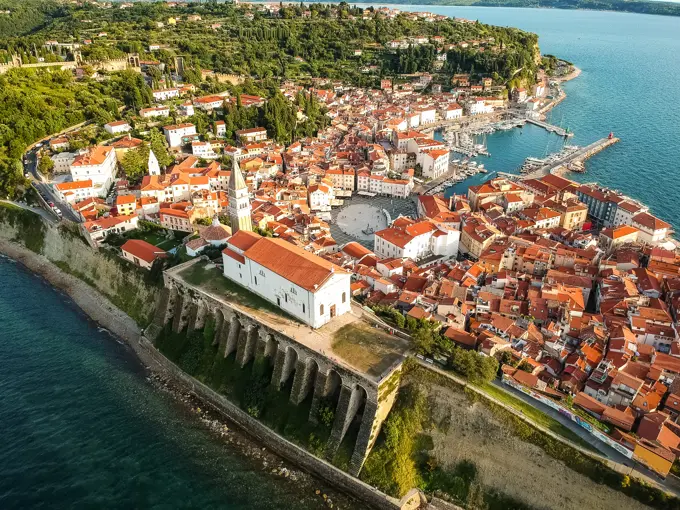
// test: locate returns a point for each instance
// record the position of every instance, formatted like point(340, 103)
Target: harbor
point(551, 128)
point(570, 158)
point(459, 170)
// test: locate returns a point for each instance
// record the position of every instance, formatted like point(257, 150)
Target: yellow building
point(126, 205)
point(476, 236)
point(655, 456)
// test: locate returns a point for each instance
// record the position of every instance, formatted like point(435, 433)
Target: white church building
point(302, 284)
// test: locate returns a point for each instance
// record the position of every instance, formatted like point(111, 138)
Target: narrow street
point(31, 168)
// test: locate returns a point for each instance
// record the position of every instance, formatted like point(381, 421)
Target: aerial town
point(572, 287)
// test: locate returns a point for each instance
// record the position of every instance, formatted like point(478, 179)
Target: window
point(285, 296)
point(256, 280)
point(278, 301)
point(344, 297)
point(303, 308)
point(320, 309)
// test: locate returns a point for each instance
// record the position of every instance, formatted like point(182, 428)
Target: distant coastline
point(637, 7)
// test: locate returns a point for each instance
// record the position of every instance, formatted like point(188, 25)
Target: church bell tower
point(239, 201)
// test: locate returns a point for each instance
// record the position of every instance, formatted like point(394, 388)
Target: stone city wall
point(236, 331)
point(262, 433)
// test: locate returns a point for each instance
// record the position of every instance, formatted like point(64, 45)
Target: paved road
point(636, 469)
point(606, 450)
point(38, 210)
point(40, 183)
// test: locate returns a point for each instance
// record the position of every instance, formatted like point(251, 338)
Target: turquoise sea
point(82, 428)
point(629, 85)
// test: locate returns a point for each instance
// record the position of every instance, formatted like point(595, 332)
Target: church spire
point(239, 201)
point(153, 166)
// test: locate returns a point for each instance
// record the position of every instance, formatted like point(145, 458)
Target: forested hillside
point(298, 42)
point(37, 103)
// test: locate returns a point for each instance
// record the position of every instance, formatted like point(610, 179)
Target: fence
point(567, 413)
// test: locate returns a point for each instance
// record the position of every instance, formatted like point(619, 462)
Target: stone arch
point(271, 346)
point(326, 390)
point(235, 327)
point(353, 398)
point(361, 394)
point(305, 376)
point(247, 342)
point(334, 382)
point(290, 364)
point(219, 324)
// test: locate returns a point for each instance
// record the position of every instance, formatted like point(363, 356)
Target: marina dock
point(578, 157)
point(549, 127)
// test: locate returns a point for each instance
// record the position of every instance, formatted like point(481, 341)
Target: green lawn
point(157, 238)
point(367, 348)
point(535, 415)
point(212, 280)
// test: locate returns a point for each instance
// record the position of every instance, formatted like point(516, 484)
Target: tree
point(46, 166)
point(134, 163)
point(525, 366)
point(424, 340)
point(159, 147)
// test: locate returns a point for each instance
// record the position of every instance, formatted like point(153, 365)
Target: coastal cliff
point(123, 284)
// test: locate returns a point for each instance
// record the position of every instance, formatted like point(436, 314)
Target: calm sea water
point(629, 85)
point(81, 427)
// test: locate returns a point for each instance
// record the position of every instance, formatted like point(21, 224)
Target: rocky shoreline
point(575, 73)
point(120, 325)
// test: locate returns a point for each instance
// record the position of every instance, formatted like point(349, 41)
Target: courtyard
point(363, 216)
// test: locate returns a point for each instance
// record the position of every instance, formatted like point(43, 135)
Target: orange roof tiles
point(292, 263)
point(143, 250)
point(94, 156)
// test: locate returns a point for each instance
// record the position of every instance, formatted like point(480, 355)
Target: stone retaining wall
point(295, 454)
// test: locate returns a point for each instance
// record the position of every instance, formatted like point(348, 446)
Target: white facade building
point(158, 111)
point(452, 111)
point(165, 94)
point(117, 127)
point(479, 107)
point(407, 238)
point(306, 286)
point(652, 229)
point(174, 134)
point(72, 192)
point(319, 197)
point(434, 163)
point(203, 150)
point(97, 164)
point(427, 116)
point(62, 162)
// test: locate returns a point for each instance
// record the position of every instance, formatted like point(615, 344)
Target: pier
point(549, 127)
point(575, 157)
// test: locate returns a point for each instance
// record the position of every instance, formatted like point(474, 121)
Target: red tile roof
point(143, 250)
point(296, 265)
